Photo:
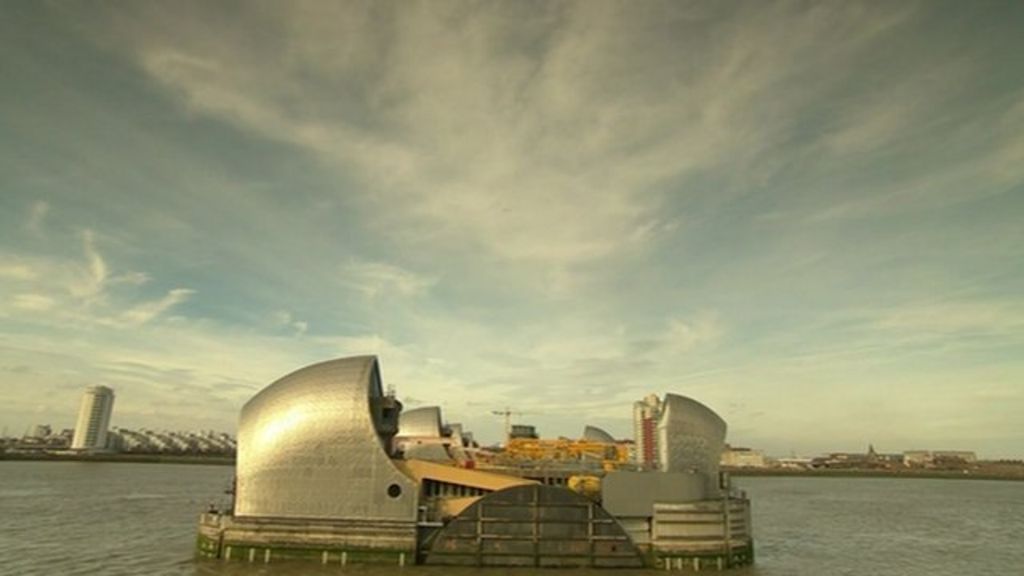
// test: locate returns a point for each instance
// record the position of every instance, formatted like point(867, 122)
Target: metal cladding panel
point(690, 438)
point(422, 422)
point(633, 494)
point(308, 447)
point(595, 434)
point(455, 430)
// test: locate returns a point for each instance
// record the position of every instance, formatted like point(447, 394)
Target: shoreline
point(1013, 476)
point(123, 458)
point(877, 473)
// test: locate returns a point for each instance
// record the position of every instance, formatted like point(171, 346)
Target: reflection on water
point(114, 518)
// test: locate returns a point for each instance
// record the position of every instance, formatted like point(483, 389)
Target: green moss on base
point(242, 552)
point(207, 547)
point(736, 558)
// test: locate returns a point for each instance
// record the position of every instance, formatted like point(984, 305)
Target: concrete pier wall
point(702, 535)
point(231, 538)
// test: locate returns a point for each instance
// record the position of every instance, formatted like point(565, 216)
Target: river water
point(118, 518)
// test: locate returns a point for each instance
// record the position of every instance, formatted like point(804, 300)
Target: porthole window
point(394, 491)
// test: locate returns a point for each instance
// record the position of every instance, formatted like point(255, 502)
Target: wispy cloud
point(92, 275)
point(683, 336)
point(285, 318)
point(142, 313)
point(37, 216)
point(87, 299)
point(33, 302)
point(1004, 318)
point(539, 142)
point(373, 279)
point(16, 271)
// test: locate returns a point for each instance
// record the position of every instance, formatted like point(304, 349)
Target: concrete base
point(739, 554)
point(709, 534)
point(264, 540)
point(696, 536)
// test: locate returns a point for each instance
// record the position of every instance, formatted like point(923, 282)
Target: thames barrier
point(331, 470)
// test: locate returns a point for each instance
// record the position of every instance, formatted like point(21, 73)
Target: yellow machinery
point(611, 456)
point(587, 485)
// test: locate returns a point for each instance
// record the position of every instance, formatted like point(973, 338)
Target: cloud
point(130, 279)
point(220, 367)
point(683, 336)
point(284, 318)
point(985, 160)
point(541, 142)
point(373, 279)
point(92, 276)
point(147, 311)
point(950, 318)
point(36, 217)
point(900, 111)
point(17, 271)
point(59, 293)
point(33, 302)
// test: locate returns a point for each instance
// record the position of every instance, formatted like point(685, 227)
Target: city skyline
point(805, 216)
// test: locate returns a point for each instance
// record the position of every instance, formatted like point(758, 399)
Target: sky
point(808, 216)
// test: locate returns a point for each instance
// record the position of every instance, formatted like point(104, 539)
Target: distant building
point(736, 457)
point(913, 458)
point(523, 431)
point(645, 430)
point(794, 462)
point(954, 457)
point(146, 441)
point(595, 434)
point(938, 458)
point(93, 419)
point(41, 431)
point(851, 460)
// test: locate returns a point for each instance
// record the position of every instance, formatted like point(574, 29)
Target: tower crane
point(507, 413)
